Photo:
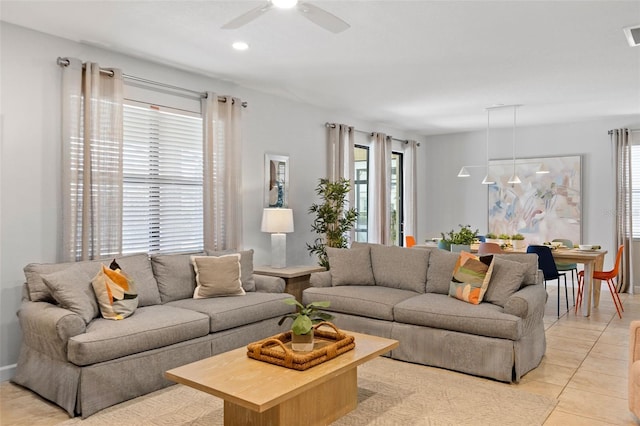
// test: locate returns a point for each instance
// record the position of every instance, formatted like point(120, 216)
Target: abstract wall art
point(544, 206)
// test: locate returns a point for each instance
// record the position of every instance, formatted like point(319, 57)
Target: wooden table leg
point(587, 290)
point(598, 266)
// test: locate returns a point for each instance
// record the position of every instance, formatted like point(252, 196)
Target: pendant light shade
point(488, 180)
point(514, 179)
point(463, 172)
point(542, 170)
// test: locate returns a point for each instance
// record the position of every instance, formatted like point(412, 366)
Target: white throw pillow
point(217, 276)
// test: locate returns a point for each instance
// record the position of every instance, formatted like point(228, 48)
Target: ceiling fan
point(313, 13)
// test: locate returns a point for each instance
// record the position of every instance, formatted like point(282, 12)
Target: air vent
point(633, 35)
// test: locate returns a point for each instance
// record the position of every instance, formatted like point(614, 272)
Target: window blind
point(162, 173)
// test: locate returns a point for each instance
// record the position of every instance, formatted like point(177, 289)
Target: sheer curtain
point(222, 184)
point(410, 193)
point(92, 161)
point(380, 204)
point(340, 146)
point(621, 140)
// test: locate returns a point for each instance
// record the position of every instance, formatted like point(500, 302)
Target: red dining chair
point(410, 241)
point(607, 276)
point(489, 248)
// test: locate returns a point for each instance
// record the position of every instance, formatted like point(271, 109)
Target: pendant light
point(488, 180)
point(514, 177)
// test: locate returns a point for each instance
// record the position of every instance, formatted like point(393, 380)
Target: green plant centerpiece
point(491, 236)
point(517, 237)
point(464, 237)
point(303, 320)
point(332, 218)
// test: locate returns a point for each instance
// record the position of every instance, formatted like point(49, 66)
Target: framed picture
point(276, 171)
point(546, 205)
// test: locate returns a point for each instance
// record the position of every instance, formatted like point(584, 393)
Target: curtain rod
point(63, 62)
point(406, 141)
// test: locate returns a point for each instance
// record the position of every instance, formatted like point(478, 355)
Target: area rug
point(389, 393)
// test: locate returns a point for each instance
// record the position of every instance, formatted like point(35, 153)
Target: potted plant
point(517, 241)
point(491, 237)
point(462, 239)
point(333, 220)
point(303, 320)
point(504, 239)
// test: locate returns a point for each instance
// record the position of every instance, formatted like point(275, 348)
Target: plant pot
point(460, 247)
point(518, 244)
point(444, 245)
point(302, 342)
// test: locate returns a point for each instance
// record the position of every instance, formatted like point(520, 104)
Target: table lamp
point(278, 222)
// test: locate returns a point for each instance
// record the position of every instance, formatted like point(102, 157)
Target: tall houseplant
point(332, 219)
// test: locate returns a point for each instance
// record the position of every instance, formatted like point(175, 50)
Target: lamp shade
point(277, 220)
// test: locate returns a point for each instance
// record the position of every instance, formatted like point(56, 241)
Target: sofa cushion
point(399, 267)
point(506, 279)
point(175, 275)
point(234, 311)
point(446, 313)
point(246, 262)
point(151, 327)
point(529, 259)
point(371, 301)
point(441, 264)
point(116, 293)
point(471, 277)
point(71, 289)
point(138, 267)
point(217, 276)
point(350, 266)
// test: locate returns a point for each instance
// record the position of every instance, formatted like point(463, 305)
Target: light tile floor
point(586, 364)
point(585, 368)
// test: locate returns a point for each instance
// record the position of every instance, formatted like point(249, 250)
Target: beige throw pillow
point(217, 276)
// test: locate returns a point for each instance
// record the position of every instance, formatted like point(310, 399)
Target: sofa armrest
point(527, 302)
point(320, 279)
point(47, 328)
point(268, 284)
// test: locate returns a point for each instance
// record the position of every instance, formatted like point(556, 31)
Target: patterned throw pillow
point(116, 293)
point(471, 277)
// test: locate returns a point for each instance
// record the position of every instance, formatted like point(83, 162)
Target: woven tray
point(277, 349)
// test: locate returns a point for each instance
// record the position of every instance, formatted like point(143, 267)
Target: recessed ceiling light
point(240, 45)
point(284, 4)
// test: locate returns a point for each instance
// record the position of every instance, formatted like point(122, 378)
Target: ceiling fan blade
point(326, 20)
point(245, 18)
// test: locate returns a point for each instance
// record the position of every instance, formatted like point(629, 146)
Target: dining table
point(592, 260)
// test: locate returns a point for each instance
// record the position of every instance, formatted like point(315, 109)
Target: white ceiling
point(427, 67)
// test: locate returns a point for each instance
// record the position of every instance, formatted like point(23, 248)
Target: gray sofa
point(86, 366)
point(403, 294)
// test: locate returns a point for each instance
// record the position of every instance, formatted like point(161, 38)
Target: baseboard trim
point(7, 372)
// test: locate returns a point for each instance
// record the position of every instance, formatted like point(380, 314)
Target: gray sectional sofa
point(403, 294)
point(86, 366)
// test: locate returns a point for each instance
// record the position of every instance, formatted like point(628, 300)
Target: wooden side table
point(296, 278)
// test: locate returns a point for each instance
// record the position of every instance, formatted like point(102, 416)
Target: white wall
point(30, 223)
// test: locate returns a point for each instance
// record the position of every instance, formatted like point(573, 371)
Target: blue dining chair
point(568, 267)
point(549, 270)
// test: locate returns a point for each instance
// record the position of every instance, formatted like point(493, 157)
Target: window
point(361, 181)
point(396, 232)
point(635, 191)
point(162, 180)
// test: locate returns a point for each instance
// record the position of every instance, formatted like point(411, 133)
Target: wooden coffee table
point(259, 393)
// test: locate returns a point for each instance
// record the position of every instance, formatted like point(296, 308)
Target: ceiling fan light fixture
point(284, 4)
